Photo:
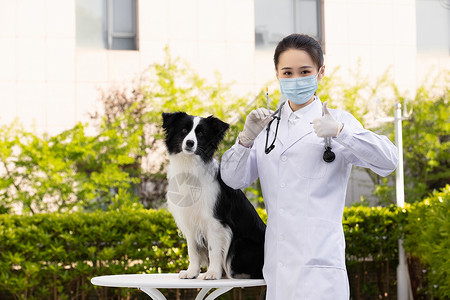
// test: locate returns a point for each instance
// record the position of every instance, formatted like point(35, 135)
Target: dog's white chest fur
point(192, 190)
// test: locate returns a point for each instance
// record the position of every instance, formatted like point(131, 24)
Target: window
point(276, 19)
point(107, 24)
point(433, 26)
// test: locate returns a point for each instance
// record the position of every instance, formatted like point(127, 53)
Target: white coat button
point(281, 211)
point(282, 185)
point(281, 237)
point(280, 264)
point(284, 158)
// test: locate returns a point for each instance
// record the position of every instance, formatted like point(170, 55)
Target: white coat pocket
point(322, 284)
point(308, 160)
point(326, 244)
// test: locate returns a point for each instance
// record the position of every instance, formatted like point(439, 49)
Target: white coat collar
point(303, 126)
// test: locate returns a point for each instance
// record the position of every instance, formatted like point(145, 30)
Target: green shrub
point(427, 237)
point(55, 255)
point(372, 232)
point(47, 173)
point(371, 235)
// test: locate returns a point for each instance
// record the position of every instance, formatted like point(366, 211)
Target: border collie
point(222, 229)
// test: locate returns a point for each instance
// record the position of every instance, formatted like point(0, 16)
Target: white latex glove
point(327, 126)
point(254, 123)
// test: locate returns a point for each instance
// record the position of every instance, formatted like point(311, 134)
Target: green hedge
point(55, 255)
point(371, 235)
point(427, 237)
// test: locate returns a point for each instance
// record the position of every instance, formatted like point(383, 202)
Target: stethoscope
point(328, 155)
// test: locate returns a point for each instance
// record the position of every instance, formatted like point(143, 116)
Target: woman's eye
point(184, 130)
point(287, 73)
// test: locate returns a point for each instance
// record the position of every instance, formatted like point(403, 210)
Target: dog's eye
point(200, 133)
point(184, 130)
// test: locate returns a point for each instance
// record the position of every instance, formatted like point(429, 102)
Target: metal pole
point(399, 183)
point(403, 283)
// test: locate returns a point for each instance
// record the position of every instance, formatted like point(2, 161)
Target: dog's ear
point(219, 127)
point(169, 118)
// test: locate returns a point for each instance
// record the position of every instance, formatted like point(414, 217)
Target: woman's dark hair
point(300, 42)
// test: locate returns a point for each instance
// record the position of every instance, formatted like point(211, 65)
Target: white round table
point(150, 283)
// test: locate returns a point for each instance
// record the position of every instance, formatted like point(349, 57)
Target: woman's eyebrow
point(303, 67)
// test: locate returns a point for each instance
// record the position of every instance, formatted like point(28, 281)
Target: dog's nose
point(190, 143)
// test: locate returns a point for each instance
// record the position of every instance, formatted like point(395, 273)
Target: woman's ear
point(321, 73)
point(276, 73)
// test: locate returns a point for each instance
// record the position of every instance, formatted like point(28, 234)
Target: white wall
point(377, 34)
point(48, 82)
point(212, 35)
point(37, 58)
point(372, 35)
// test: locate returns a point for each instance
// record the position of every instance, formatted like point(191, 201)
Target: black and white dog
point(222, 228)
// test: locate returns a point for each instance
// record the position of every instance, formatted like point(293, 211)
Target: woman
point(304, 195)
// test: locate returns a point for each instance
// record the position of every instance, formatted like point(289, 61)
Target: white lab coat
point(304, 198)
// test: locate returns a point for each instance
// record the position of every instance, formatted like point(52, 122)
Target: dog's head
point(193, 135)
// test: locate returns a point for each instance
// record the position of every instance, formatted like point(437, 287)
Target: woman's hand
point(327, 126)
point(254, 124)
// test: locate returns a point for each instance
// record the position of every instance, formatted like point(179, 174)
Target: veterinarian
point(304, 195)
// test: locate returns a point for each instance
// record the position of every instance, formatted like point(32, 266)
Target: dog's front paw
point(211, 275)
point(188, 274)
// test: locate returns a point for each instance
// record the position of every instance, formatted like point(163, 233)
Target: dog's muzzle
point(189, 146)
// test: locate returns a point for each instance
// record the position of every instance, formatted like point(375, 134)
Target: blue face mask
point(299, 90)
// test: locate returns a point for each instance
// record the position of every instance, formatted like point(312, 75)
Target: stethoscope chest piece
point(328, 155)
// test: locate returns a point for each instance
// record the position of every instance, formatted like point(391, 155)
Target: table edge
point(179, 284)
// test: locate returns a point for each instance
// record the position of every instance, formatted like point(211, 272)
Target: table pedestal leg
point(153, 293)
point(218, 292)
point(201, 295)
point(157, 295)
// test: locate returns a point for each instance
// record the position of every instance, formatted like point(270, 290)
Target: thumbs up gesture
point(327, 126)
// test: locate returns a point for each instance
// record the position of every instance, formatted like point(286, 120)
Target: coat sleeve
point(238, 167)
point(366, 149)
